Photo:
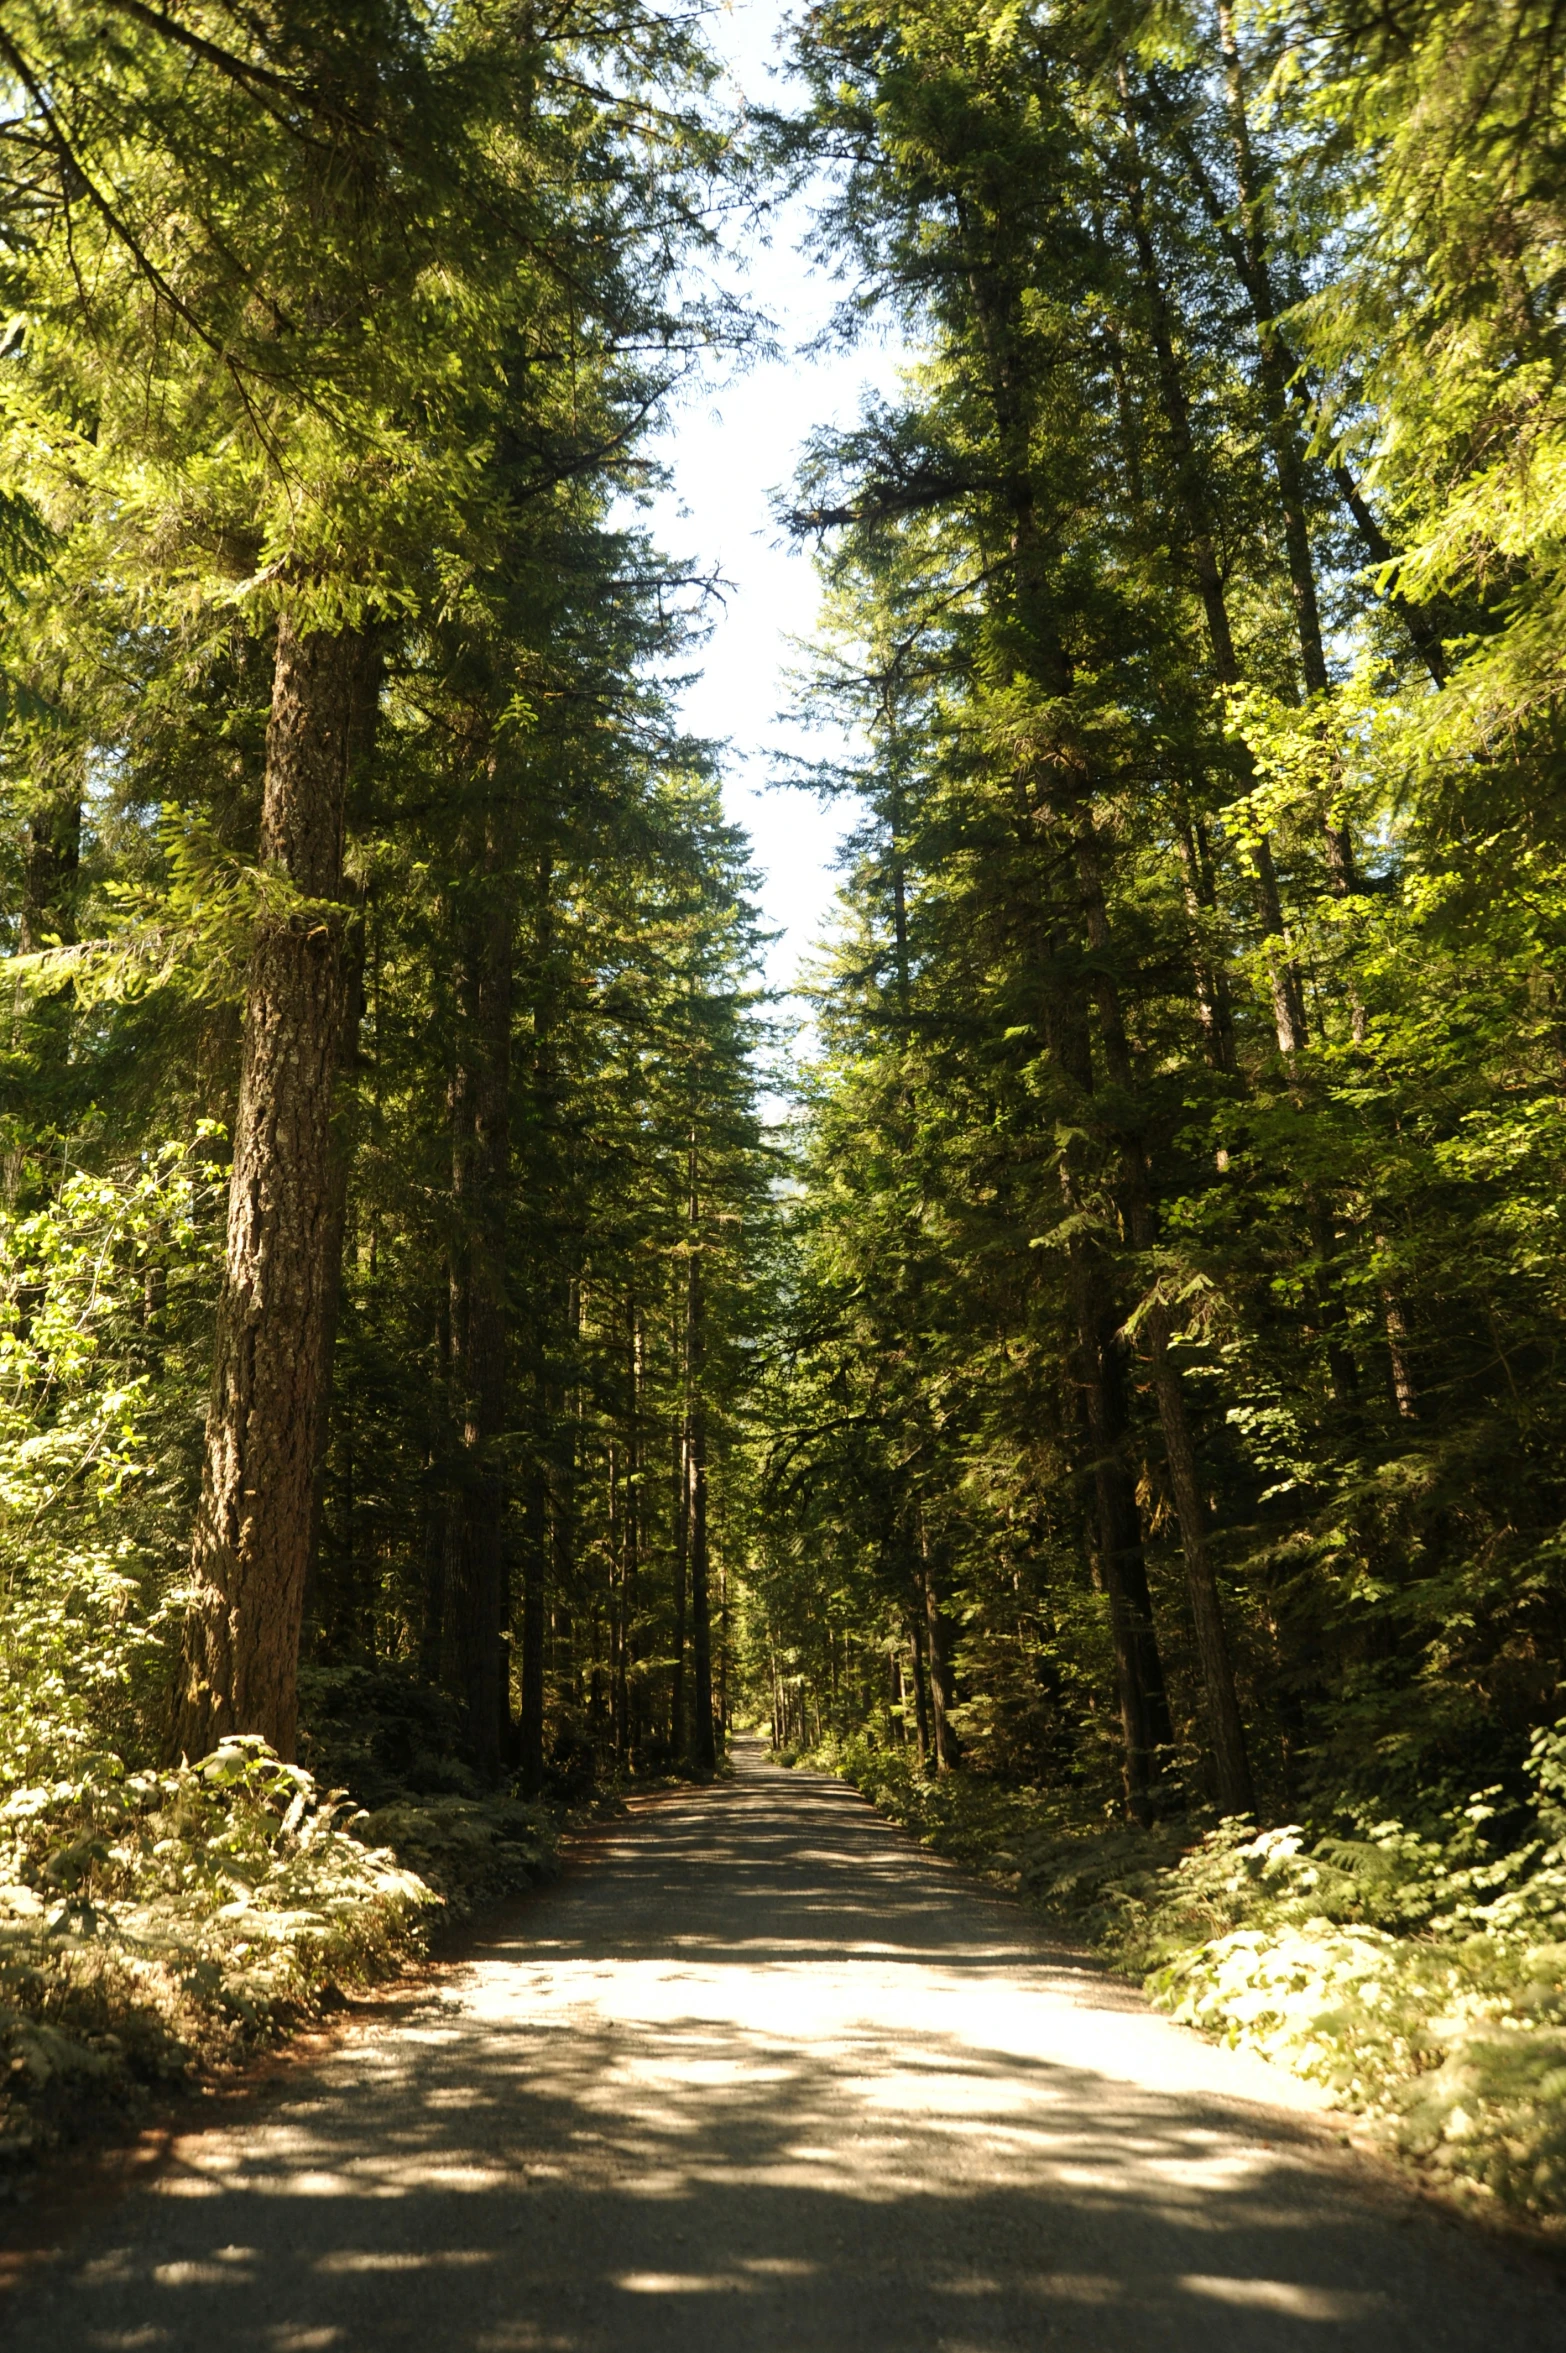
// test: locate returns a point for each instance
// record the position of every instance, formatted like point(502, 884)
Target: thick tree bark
point(251, 1544)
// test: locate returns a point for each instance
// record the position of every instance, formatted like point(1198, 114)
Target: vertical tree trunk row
point(251, 1545)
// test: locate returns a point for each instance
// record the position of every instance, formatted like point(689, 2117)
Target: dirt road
point(760, 2077)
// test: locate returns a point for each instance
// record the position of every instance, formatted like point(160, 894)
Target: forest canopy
point(1133, 1371)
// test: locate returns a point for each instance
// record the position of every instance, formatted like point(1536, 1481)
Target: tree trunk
point(251, 1545)
point(1288, 454)
point(704, 1755)
point(1214, 1008)
point(1139, 1683)
point(548, 1504)
point(1225, 1725)
point(703, 1750)
point(437, 1504)
point(1287, 997)
point(634, 1646)
point(332, 1615)
point(1100, 1376)
point(1144, 1704)
point(1405, 1396)
point(617, 1693)
point(921, 1693)
point(943, 1695)
point(1426, 626)
point(563, 1517)
point(478, 1598)
point(535, 1557)
point(1288, 1001)
point(682, 1545)
point(1226, 1731)
point(723, 1716)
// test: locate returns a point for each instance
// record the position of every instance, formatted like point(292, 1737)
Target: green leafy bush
point(104, 1298)
point(152, 1920)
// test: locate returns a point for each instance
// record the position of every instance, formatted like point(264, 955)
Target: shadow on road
point(760, 2075)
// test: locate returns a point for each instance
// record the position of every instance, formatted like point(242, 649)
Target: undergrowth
point(153, 1924)
point(1420, 1976)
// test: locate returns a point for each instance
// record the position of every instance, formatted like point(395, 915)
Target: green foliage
point(1145, 1388)
point(157, 1922)
point(104, 1292)
point(469, 1852)
point(1179, 1173)
point(396, 1741)
point(153, 1920)
point(1422, 1981)
point(370, 333)
point(1091, 1874)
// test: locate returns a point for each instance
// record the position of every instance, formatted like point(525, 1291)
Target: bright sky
point(731, 442)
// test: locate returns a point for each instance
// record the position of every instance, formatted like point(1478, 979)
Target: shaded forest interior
point(1132, 1370)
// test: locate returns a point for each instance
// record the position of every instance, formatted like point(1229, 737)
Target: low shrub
point(156, 1922)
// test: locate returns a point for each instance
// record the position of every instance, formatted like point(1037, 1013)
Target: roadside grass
point(1419, 1976)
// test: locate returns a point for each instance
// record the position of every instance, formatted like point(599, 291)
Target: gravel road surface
point(758, 2076)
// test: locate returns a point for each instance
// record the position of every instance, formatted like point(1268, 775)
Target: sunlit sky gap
point(731, 442)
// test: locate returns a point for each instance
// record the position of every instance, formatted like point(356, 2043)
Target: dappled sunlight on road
point(760, 2075)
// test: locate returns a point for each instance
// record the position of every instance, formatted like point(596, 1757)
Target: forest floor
point(757, 2072)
